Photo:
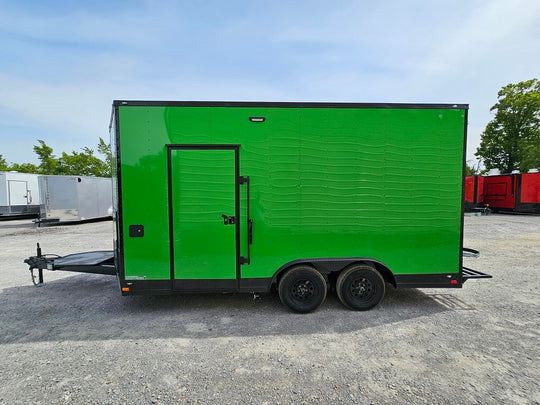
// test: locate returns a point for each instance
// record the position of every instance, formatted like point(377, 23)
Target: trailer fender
point(330, 268)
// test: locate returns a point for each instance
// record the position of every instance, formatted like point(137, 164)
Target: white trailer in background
point(19, 194)
point(74, 198)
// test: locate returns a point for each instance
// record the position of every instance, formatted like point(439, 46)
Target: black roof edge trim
point(285, 104)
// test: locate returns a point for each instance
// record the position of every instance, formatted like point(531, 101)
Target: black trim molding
point(273, 104)
point(236, 149)
point(160, 287)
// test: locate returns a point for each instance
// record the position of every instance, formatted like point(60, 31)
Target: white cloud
point(64, 107)
point(486, 37)
point(61, 70)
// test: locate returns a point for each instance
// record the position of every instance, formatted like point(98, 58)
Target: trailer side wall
point(381, 183)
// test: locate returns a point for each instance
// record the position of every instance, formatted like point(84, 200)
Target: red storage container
point(513, 192)
point(474, 192)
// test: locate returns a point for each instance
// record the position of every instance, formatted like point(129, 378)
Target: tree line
point(83, 163)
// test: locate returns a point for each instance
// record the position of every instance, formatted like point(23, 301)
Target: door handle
point(227, 220)
point(249, 221)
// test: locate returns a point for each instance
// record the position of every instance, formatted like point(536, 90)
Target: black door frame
point(205, 284)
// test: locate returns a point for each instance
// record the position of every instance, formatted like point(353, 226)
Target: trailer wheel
point(302, 289)
point(360, 287)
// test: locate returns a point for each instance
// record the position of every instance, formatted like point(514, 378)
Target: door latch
point(227, 220)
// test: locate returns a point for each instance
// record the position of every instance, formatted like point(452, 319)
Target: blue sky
point(63, 62)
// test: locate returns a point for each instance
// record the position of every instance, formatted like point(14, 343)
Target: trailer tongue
point(98, 262)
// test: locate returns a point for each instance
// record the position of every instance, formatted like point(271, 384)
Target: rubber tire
point(363, 280)
point(302, 288)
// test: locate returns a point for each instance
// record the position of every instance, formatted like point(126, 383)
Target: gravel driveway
point(77, 340)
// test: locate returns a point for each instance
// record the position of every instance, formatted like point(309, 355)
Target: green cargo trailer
point(300, 197)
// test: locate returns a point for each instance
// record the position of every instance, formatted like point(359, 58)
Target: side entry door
point(203, 214)
point(18, 192)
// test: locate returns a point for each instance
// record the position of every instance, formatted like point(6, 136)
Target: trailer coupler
point(39, 262)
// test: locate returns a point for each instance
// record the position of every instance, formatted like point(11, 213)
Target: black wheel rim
point(362, 289)
point(303, 290)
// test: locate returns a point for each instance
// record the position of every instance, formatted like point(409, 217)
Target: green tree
point(511, 140)
point(3, 164)
point(48, 162)
point(105, 150)
point(24, 168)
point(82, 164)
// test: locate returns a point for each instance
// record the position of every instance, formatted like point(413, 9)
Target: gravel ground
point(77, 340)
